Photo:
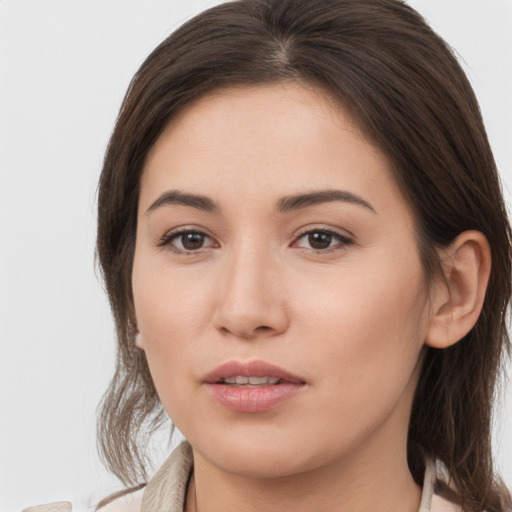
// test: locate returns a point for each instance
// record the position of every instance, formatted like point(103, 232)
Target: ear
point(457, 301)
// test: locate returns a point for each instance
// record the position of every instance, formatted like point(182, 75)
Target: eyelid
point(314, 228)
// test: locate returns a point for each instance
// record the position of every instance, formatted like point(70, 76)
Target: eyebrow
point(194, 200)
point(299, 201)
point(284, 205)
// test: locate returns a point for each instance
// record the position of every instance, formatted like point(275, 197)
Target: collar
point(160, 495)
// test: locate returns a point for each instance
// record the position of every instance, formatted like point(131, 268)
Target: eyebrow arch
point(176, 197)
point(299, 201)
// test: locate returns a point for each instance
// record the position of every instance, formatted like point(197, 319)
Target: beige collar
point(158, 495)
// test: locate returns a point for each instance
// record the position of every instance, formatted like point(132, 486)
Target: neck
point(374, 480)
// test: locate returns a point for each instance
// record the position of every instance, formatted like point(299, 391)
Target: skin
point(350, 319)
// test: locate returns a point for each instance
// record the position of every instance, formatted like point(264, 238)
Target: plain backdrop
point(64, 68)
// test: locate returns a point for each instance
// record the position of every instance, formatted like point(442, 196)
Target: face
point(274, 244)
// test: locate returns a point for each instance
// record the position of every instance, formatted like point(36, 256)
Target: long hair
point(402, 84)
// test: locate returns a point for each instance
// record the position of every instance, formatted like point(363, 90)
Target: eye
point(322, 240)
point(186, 241)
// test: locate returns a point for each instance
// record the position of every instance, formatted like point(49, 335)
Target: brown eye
point(186, 241)
point(192, 241)
point(323, 240)
point(318, 240)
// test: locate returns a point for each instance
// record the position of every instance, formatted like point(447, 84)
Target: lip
point(250, 369)
point(252, 399)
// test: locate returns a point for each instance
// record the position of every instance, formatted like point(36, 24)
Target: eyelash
point(168, 238)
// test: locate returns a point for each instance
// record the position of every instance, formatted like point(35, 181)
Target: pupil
point(319, 240)
point(192, 241)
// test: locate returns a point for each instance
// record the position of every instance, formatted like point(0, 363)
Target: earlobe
point(458, 299)
point(134, 331)
point(138, 341)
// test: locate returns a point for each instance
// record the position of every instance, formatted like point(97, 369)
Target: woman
point(306, 250)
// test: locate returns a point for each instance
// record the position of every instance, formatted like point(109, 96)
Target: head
point(397, 88)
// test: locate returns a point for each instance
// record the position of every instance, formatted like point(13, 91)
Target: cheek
point(365, 339)
point(172, 309)
point(169, 345)
point(167, 298)
point(368, 323)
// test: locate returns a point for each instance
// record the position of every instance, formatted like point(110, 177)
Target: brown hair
point(404, 86)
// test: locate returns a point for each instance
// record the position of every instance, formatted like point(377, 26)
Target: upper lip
point(250, 369)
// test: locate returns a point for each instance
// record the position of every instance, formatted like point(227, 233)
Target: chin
point(248, 457)
point(259, 465)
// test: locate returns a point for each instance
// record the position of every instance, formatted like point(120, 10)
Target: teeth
point(262, 380)
point(251, 381)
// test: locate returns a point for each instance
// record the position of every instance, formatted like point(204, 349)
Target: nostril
point(263, 328)
point(246, 334)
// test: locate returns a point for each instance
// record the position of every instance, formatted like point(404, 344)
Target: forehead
point(270, 140)
point(258, 112)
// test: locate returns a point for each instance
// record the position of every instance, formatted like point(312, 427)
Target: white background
point(64, 68)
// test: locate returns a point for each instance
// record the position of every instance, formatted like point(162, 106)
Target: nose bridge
point(251, 298)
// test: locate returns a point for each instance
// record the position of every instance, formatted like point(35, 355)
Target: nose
point(251, 301)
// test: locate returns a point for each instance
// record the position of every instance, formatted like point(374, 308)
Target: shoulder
point(60, 506)
point(128, 502)
point(439, 504)
point(131, 502)
point(166, 489)
point(431, 501)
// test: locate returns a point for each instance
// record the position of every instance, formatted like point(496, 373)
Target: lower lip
point(253, 399)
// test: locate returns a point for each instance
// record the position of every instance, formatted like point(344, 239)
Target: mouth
point(254, 386)
point(251, 373)
point(250, 382)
